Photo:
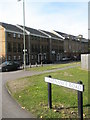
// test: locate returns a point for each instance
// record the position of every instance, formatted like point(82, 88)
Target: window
point(32, 57)
point(9, 47)
point(14, 57)
point(32, 37)
point(19, 47)
point(45, 57)
point(38, 48)
point(18, 35)
point(19, 57)
point(42, 48)
point(35, 48)
point(35, 56)
point(32, 48)
point(9, 57)
point(14, 47)
point(14, 35)
point(47, 48)
point(9, 34)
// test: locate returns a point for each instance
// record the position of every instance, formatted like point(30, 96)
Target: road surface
point(10, 108)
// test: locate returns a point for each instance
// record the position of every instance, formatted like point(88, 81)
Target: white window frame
point(18, 35)
point(19, 57)
point(14, 57)
point(14, 35)
point(9, 57)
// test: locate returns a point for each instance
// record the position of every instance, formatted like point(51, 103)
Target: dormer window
point(14, 35)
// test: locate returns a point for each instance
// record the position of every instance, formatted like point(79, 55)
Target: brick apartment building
point(41, 46)
point(56, 46)
point(11, 42)
point(38, 44)
point(73, 45)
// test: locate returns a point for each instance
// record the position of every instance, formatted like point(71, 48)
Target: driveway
point(10, 108)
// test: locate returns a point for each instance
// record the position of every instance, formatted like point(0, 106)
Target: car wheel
point(6, 70)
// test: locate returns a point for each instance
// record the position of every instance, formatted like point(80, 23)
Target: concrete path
point(10, 108)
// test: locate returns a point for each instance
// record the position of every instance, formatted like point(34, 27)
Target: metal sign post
point(49, 96)
point(76, 86)
point(80, 103)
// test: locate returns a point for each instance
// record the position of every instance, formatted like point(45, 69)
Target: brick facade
point(73, 46)
point(41, 46)
point(2, 42)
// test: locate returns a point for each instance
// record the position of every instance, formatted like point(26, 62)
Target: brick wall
point(2, 42)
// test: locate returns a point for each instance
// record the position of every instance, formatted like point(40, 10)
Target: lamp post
point(24, 31)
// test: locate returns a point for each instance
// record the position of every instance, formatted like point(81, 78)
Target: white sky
point(68, 16)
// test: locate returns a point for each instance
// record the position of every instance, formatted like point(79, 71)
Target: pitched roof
point(72, 36)
point(52, 35)
point(65, 35)
point(10, 27)
point(34, 31)
point(85, 40)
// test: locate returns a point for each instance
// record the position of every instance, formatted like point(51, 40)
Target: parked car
point(66, 59)
point(9, 66)
point(74, 58)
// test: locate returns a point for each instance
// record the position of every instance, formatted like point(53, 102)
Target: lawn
point(31, 93)
point(51, 66)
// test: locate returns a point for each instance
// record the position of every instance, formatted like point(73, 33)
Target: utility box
point(85, 61)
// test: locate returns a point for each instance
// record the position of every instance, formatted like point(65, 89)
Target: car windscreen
point(6, 63)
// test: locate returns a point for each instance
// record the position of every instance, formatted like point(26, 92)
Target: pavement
point(10, 108)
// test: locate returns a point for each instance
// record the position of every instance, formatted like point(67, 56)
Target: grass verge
point(51, 67)
point(31, 93)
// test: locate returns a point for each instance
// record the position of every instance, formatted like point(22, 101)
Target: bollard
point(30, 65)
point(36, 64)
point(41, 64)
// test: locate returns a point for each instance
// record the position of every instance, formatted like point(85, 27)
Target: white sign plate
point(25, 50)
point(53, 52)
point(66, 84)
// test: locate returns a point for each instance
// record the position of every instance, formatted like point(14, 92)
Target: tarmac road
point(10, 108)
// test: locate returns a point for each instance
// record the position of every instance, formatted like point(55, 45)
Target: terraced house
point(41, 45)
point(56, 46)
point(74, 46)
point(37, 45)
point(11, 42)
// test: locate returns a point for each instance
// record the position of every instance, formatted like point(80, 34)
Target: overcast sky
point(68, 16)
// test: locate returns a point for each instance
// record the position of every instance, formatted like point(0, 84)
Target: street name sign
point(76, 86)
point(66, 84)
